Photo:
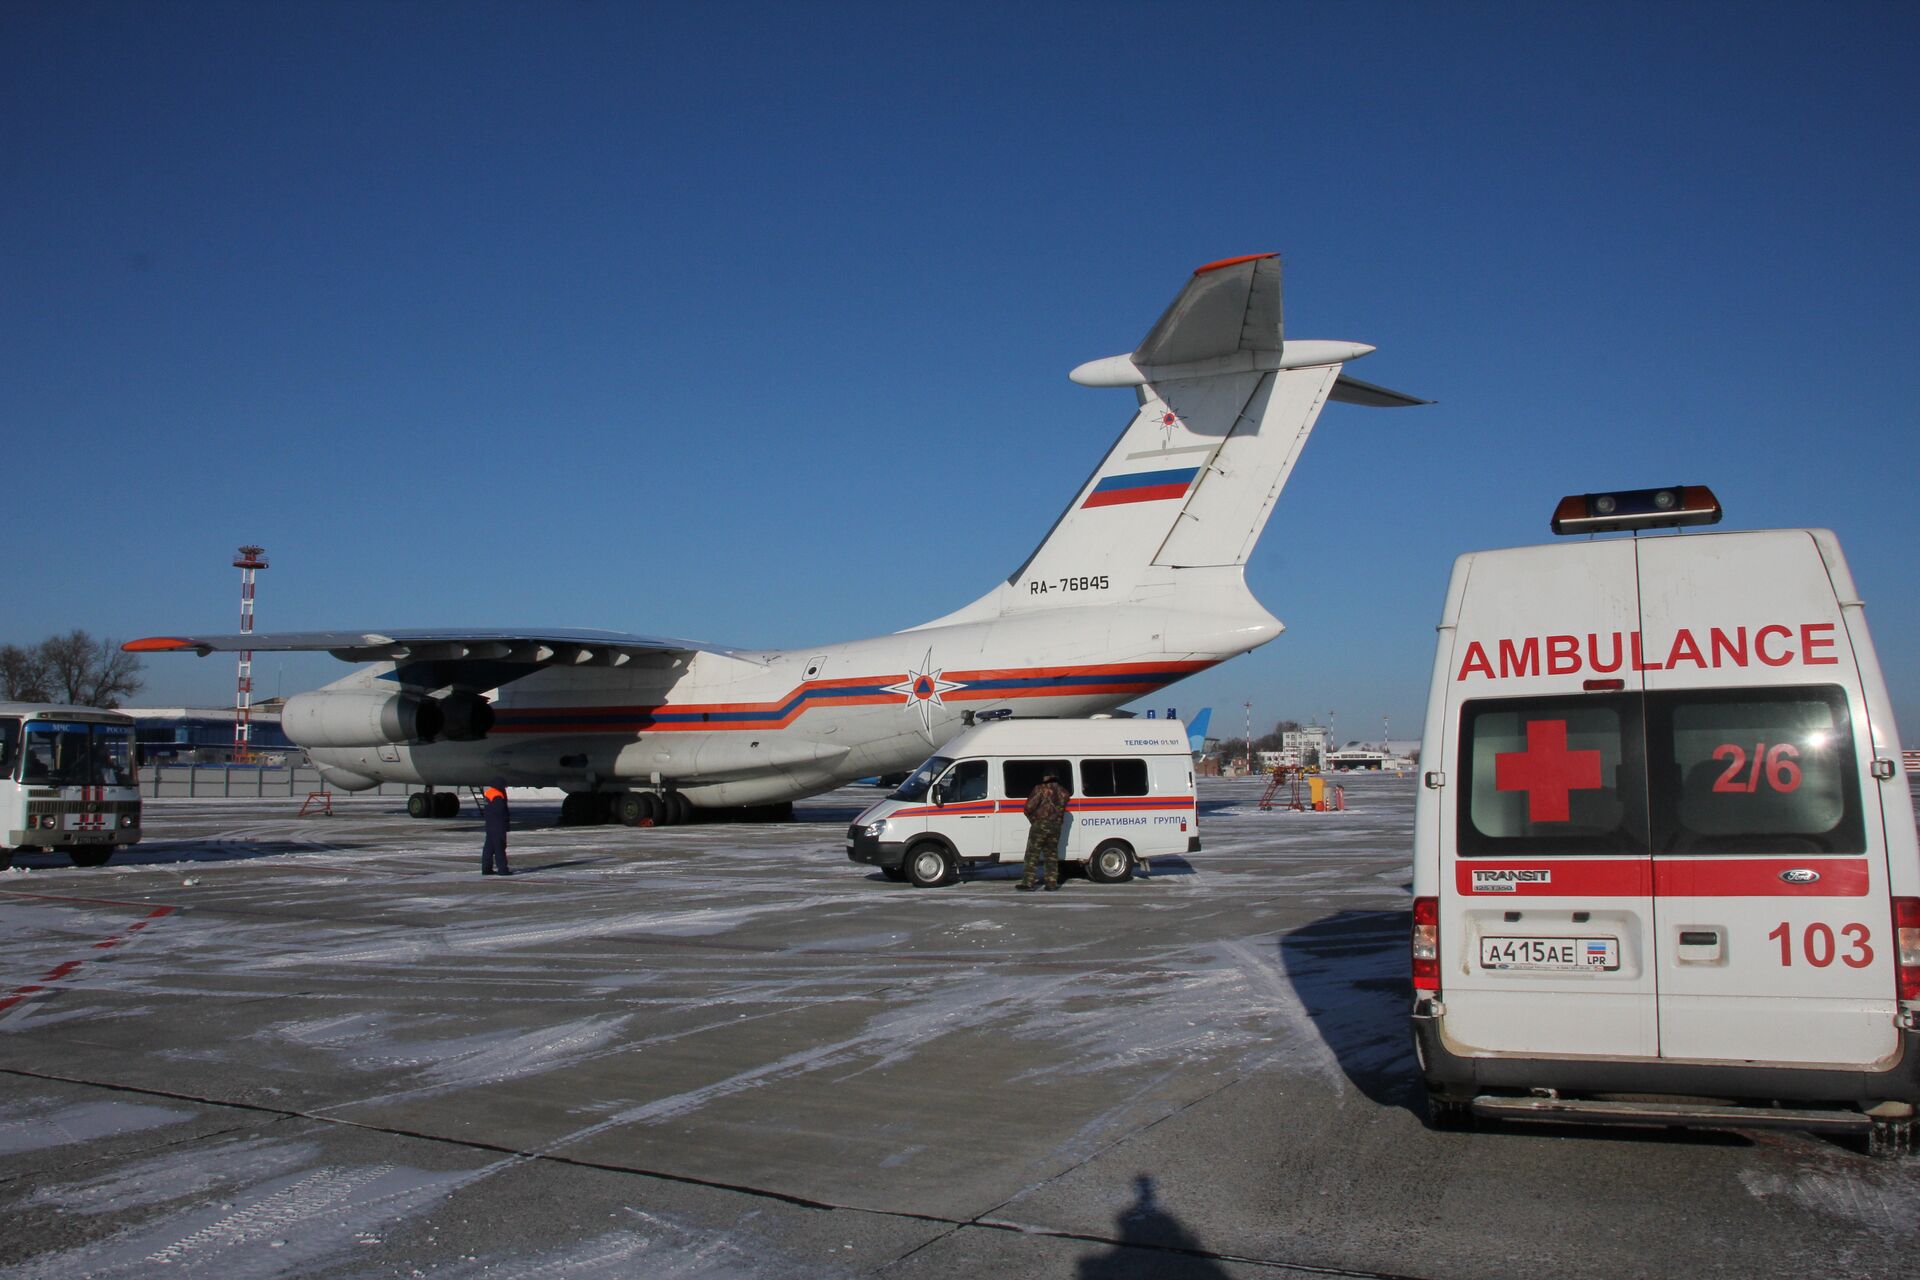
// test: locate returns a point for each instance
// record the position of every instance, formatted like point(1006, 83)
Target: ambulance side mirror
point(1435, 780)
point(939, 794)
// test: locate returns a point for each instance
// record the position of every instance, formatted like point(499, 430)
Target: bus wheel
point(1111, 863)
point(1893, 1137)
point(89, 857)
point(417, 805)
point(928, 866)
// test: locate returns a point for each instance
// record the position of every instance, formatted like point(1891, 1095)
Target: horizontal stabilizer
point(1353, 391)
point(1227, 306)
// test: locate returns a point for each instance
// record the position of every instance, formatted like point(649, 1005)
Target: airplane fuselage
point(757, 728)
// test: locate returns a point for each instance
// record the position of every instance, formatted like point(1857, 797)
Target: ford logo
point(1800, 875)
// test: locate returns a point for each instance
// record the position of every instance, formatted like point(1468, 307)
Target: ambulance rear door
point(1772, 909)
point(1545, 894)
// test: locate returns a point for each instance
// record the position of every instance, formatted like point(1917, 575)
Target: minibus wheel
point(1449, 1113)
point(1111, 863)
point(895, 874)
point(89, 857)
point(928, 866)
point(1893, 1137)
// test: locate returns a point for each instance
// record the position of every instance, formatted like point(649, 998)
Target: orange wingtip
point(1232, 262)
point(157, 644)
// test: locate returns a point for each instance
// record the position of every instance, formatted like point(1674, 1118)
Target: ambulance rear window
point(1754, 771)
point(1552, 775)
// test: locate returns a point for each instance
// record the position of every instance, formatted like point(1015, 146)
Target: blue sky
point(752, 323)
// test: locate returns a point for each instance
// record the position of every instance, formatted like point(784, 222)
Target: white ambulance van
point(1130, 783)
point(1665, 867)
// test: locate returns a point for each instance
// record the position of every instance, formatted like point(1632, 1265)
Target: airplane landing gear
point(586, 809)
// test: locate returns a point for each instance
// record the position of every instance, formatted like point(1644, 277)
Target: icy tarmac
point(260, 1045)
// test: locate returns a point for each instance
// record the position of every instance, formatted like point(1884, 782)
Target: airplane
point(1139, 583)
point(1197, 732)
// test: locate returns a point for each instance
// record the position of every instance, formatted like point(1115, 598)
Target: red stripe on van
point(1759, 877)
point(1567, 877)
point(1668, 877)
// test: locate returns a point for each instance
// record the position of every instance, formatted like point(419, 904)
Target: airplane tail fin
point(1197, 730)
point(1226, 406)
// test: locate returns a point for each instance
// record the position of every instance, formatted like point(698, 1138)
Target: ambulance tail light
point(1426, 944)
point(1669, 508)
point(1906, 932)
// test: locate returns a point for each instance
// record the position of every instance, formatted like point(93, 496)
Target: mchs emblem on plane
point(923, 690)
point(1138, 584)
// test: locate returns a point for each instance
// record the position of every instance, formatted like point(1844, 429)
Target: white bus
point(67, 781)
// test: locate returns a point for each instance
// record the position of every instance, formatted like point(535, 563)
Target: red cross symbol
point(1546, 771)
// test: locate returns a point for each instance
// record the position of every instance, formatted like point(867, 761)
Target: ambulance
point(1665, 866)
point(1130, 784)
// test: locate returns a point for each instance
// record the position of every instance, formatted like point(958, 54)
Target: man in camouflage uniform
point(1046, 809)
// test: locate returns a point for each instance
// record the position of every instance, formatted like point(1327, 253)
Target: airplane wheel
point(1111, 863)
point(639, 809)
point(578, 808)
point(682, 808)
point(417, 805)
point(928, 866)
point(89, 857)
point(446, 804)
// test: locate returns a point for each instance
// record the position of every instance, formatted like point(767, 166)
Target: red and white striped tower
point(248, 562)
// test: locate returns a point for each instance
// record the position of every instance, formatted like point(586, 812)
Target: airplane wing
point(560, 646)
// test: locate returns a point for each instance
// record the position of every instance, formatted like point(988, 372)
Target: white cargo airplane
point(1138, 584)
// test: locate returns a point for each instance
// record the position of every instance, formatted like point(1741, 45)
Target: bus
point(67, 782)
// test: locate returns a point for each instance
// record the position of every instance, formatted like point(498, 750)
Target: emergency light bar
point(1637, 509)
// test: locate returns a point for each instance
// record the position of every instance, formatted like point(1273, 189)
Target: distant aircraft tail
point(1197, 731)
point(1179, 501)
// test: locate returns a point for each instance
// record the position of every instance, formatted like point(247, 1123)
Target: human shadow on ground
point(1350, 972)
point(1153, 1245)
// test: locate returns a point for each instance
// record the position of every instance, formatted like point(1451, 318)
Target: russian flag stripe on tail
point(1142, 486)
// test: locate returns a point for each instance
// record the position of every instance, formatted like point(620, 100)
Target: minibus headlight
point(874, 830)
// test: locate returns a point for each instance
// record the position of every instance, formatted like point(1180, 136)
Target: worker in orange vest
point(493, 854)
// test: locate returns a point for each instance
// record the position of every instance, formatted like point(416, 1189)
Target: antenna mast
point(250, 560)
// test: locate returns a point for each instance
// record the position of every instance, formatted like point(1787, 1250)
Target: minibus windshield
point(915, 787)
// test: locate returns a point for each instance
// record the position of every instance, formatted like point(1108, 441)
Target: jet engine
point(467, 717)
point(361, 718)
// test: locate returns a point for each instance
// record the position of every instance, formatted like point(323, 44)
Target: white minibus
point(1665, 867)
point(1131, 783)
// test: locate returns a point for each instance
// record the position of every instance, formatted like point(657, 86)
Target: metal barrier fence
point(241, 781)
